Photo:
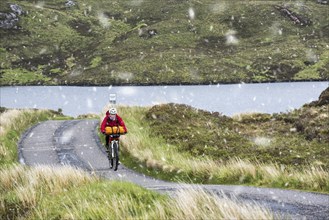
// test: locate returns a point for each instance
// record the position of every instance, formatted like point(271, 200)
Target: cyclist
point(110, 120)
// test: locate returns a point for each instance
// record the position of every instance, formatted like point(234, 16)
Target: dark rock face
point(324, 2)
point(323, 99)
point(297, 19)
point(16, 9)
point(8, 20)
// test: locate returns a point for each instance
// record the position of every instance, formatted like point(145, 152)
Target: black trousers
point(107, 139)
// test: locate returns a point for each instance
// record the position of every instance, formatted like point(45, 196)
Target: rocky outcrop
point(70, 3)
point(147, 33)
point(297, 19)
point(9, 20)
point(323, 2)
point(323, 99)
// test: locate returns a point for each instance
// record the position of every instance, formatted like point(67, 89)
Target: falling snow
point(191, 13)
point(103, 20)
point(228, 99)
point(262, 141)
point(231, 38)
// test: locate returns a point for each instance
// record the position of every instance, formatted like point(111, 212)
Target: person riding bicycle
point(111, 119)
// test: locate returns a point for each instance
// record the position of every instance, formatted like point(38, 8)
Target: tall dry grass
point(195, 203)
point(136, 203)
point(27, 185)
point(7, 119)
point(66, 193)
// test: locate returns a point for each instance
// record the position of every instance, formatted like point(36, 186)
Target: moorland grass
point(156, 145)
point(63, 192)
point(197, 42)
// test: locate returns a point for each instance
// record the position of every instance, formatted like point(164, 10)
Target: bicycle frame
point(113, 154)
point(112, 150)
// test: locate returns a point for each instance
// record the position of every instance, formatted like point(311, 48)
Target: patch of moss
point(317, 68)
point(95, 62)
point(22, 77)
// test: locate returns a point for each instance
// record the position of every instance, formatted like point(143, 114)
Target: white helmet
point(113, 111)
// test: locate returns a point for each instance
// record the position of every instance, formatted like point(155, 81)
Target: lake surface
point(227, 99)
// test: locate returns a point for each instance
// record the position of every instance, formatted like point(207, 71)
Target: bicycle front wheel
point(116, 155)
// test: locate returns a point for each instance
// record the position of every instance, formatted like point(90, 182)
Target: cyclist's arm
point(122, 123)
point(103, 125)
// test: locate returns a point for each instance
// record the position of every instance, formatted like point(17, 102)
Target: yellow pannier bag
point(114, 130)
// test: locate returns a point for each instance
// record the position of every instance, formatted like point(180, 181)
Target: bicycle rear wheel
point(116, 155)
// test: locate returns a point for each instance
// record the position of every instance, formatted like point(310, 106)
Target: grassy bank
point(45, 192)
point(180, 143)
point(196, 42)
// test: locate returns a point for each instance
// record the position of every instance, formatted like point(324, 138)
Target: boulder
point(8, 20)
point(16, 9)
point(70, 3)
point(147, 33)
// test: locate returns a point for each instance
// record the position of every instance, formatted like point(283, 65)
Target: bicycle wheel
point(116, 155)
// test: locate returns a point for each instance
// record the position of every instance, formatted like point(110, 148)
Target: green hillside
point(108, 42)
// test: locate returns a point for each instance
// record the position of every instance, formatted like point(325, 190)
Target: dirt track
point(76, 143)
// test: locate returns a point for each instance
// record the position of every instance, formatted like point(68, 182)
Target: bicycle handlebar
point(114, 135)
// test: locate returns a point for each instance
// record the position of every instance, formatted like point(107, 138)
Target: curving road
point(75, 142)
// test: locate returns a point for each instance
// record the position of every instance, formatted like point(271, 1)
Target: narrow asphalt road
point(76, 143)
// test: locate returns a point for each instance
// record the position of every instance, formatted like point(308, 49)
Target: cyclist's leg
point(107, 138)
